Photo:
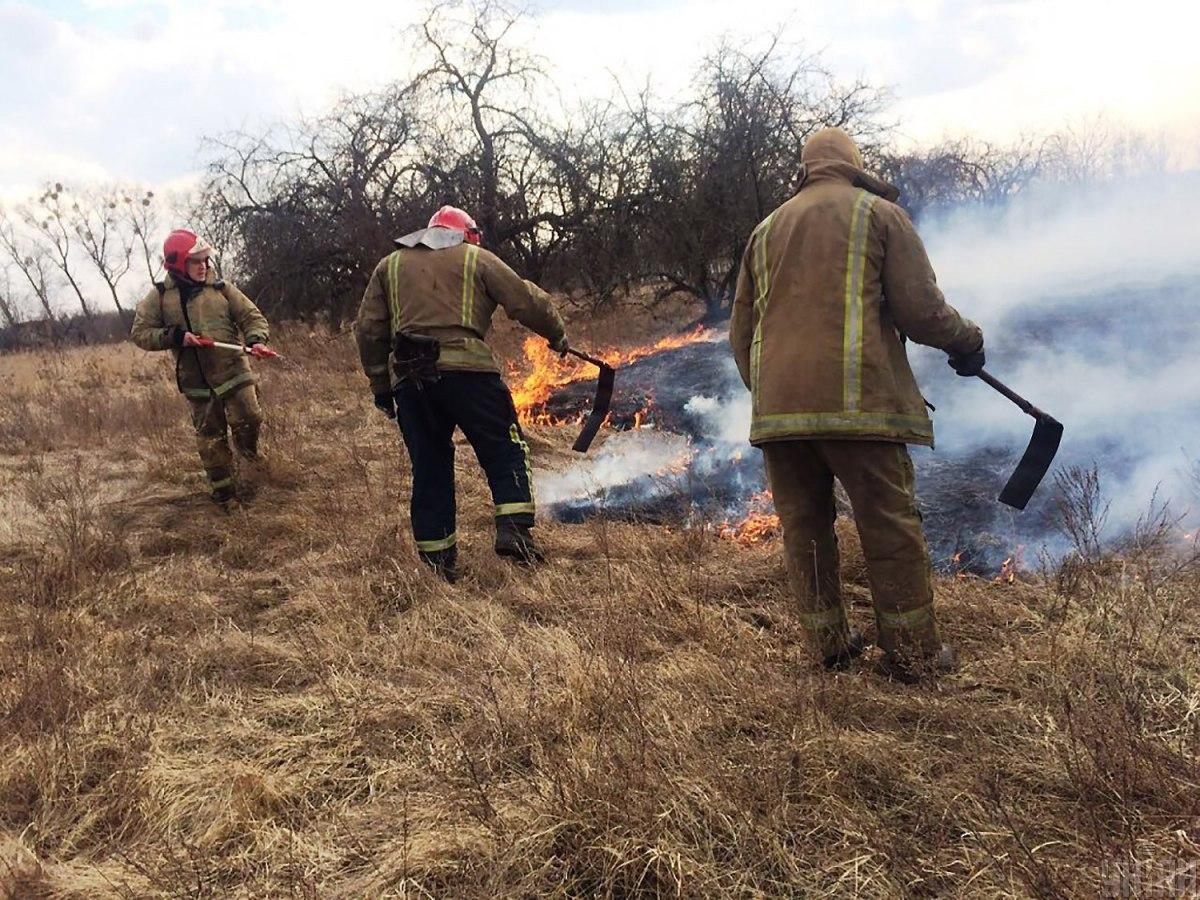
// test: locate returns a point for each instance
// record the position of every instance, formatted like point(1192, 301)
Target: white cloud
point(107, 93)
point(127, 88)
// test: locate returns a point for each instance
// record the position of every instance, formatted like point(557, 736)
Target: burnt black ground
point(967, 528)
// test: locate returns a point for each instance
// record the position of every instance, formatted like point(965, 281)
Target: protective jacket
point(830, 285)
point(218, 311)
point(449, 294)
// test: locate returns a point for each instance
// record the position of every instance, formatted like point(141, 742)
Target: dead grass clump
point(42, 690)
point(69, 542)
point(236, 658)
point(76, 401)
point(21, 872)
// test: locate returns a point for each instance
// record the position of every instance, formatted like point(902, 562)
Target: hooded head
point(831, 144)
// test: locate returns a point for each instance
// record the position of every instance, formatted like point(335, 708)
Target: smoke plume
point(1090, 303)
point(1089, 298)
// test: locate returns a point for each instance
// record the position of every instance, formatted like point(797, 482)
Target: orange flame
point(756, 528)
point(1009, 568)
point(548, 372)
point(759, 524)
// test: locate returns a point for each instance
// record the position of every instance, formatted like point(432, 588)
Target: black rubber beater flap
point(600, 407)
point(1039, 455)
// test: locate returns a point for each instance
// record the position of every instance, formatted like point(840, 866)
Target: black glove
point(561, 346)
point(969, 363)
point(386, 404)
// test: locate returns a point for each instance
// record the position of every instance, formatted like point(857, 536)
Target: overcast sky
point(125, 89)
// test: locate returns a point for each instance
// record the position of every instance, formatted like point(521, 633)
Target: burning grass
point(761, 522)
point(545, 372)
point(281, 703)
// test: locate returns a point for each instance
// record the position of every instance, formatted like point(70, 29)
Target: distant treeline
point(590, 199)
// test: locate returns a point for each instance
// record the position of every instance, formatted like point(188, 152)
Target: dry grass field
point(282, 703)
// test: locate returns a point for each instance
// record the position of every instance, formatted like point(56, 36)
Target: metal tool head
point(1039, 455)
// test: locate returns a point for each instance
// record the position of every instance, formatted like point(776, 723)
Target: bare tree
point(600, 178)
point(11, 315)
point(10, 311)
point(489, 142)
point(100, 221)
point(52, 220)
point(721, 162)
point(34, 267)
point(141, 219)
point(308, 210)
point(1098, 151)
point(962, 171)
point(476, 69)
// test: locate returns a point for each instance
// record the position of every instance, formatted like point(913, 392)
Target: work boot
point(225, 494)
point(909, 670)
point(515, 541)
point(840, 661)
point(443, 562)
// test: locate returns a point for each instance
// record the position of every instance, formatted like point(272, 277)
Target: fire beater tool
point(1047, 435)
point(604, 392)
point(240, 349)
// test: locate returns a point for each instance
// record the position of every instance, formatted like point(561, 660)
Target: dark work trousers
point(480, 404)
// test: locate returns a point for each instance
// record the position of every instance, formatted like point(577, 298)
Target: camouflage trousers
point(878, 478)
point(213, 419)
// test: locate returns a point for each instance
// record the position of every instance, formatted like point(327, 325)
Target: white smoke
point(726, 418)
point(623, 458)
point(1067, 240)
point(1090, 303)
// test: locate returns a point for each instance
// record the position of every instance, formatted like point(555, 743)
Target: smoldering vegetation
point(283, 703)
point(1090, 302)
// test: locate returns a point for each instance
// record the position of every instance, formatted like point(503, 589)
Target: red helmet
point(455, 219)
point(182, 245)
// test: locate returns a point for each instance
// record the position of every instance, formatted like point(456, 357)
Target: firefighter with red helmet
point(188, 313)
point(420, 331)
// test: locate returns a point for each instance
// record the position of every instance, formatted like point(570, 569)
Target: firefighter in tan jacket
point(420, 331)
point(830, 286)
point(186, 313)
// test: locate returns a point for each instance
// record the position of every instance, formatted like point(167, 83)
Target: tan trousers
point(878, 478)
point(212, 419)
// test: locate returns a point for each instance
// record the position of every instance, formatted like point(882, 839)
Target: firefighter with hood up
point(186, 313)
point(420, 331)
point(831, 284)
